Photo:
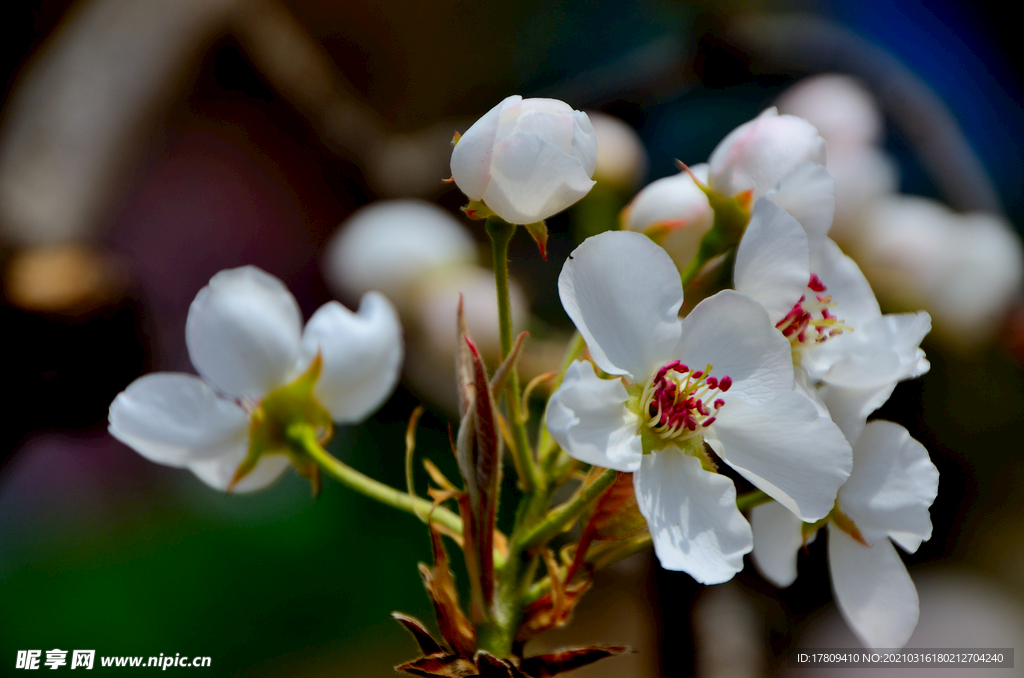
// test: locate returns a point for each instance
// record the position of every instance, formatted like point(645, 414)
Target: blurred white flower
point(621, 155)
point(676, 206)
point(389, 245)
point(723, 375)
point(966, 269)
point(527, 159)
point(245, 338)
point(891, 486)
point(758, 154)
point(840, 108)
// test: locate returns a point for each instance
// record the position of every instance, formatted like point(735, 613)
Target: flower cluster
point(775, 378)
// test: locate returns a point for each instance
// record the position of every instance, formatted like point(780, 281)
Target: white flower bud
point(676, 204)
point(757, 154)
point(527, 159)
point(621, 156)
point(388, 245)
point(963, 269)
point(844, 113)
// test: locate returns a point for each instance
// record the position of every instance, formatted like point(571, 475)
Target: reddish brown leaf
point(443, 665)
point(615, 517)
point(455, 627)
point(551, 611)
point(423, 638)
point(500, 375)
point(490, 666)
point(546, 665)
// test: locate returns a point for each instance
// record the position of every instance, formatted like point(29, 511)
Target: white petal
point(850, 407)
point(243, 332)
point(588, 417)
point(873, 591)
point(772, 259)
point(777, 542)
point(584, 142)
point(787, 449)
point(175, 419)
point(362, 355)
point(846, 284)
point(692, 516)
point(908, 542)
point(532, 179)
point(757, 154)
point(892, 484)
point(217, 473)
point(471, 157)
point(808, 193)
point(885, 350)
point(623, 293)
point(674, 200)
point(732, 333)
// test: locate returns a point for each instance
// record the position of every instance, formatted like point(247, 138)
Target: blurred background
point(145, 145)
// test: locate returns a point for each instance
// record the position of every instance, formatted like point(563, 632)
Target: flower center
point(810, 320)
point(678, 404)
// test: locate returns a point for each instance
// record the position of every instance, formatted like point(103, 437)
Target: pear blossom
point(966, 269)
point(526, 159)
point(722, 376)
point(819, 299)
point(885, 500)
point(677, 206)
point(388, 246)
point(758, 154)
point(245, 338)
point(621, 155)
point(843, 111)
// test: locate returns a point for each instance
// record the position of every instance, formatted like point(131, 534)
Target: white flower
point(887, 497)
point(389, 245)
point(676, 205)
point(527, 159)
point(966, 269)
point(758, 154)
point(723, 375)
point(245, 337)
point(840, 108)
point(621, 155)
point(821, 302)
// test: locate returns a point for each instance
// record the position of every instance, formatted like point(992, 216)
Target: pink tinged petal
point(786, 449)
point(732, 332)
point(362, 355)
point(692, 516)
point(623, 293)
point(872, 589)
point(471, 157)
point(772, 260)
point(243, 332)
point(674, 199)
point(532, 179)
point(850, 407)
point(892, 484)
point(218, 473)
point(588, 417)
point(777, 542)
point(759, 153)
point(808, 193)
point(175, 419)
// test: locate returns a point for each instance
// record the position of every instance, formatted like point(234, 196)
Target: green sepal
point(477, 209)
point(290, 405)
point(538, 230)
point(731, 218)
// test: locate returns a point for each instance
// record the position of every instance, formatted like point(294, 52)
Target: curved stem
point(751, 499)
point(303, 436)
point(563, 516)
point(501, 233)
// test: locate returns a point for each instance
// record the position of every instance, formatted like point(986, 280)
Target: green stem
point(692, 269)
point(501, 233)
point(563, 516)
point(751, 499)
point(304, 437)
